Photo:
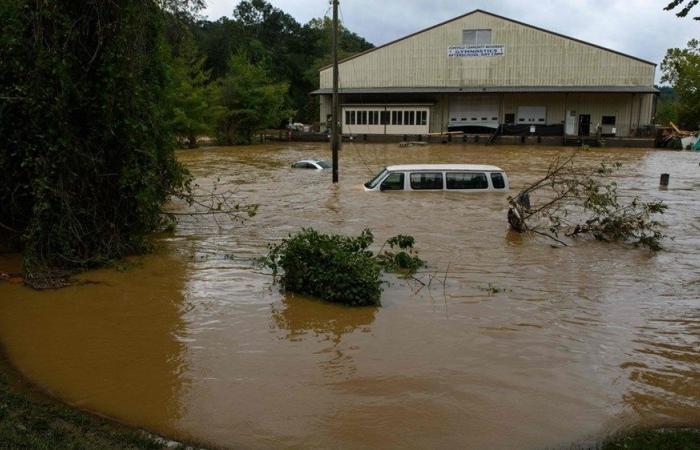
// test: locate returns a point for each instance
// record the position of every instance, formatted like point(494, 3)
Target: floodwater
point(196, 342)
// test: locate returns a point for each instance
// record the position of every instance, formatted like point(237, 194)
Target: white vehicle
point(440, 177)
point(311, 164)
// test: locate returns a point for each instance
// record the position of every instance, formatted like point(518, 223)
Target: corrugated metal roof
point(502, 89)
point(493, 15)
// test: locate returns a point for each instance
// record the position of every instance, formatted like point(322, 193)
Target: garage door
point(532, 115)
point(474, 111)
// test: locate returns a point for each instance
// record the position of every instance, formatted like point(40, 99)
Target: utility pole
point(335, 138)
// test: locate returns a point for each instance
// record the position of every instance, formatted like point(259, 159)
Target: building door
point(584, 124)
point(474, 111)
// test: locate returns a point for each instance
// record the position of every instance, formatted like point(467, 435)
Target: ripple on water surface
point(196, 341)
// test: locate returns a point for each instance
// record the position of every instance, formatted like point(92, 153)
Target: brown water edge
point(196, 342)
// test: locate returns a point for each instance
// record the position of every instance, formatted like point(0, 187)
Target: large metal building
point(481, 72)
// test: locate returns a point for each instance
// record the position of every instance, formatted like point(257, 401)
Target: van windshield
point(375, 181)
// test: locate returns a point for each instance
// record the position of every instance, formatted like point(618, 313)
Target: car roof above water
point(468, 167)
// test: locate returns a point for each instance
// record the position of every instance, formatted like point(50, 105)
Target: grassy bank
point(662, 439)
point(29, 419)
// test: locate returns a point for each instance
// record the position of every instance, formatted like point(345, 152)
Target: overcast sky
point(638, 27)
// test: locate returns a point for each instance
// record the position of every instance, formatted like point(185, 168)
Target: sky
point(637, 27)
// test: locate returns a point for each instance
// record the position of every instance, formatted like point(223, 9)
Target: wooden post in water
point(335, 139)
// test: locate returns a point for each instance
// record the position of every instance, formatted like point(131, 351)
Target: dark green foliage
point(194, 98)
point(404, 261)
point(664, 439)
point(685, 7)
point(250, 101)
point(338, 268)
point(288, 52)
point(331, 267)
point(681, 68)
point(86, 149)
point(666, 106)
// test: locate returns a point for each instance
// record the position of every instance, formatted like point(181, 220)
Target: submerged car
point(440, 177)
point(311, 164)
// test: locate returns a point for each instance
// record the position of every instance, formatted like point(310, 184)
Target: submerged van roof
point(479, 167)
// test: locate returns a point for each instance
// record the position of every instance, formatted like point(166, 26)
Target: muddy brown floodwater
point(195, 342)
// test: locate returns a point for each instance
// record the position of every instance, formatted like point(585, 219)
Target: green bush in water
point(337, 268)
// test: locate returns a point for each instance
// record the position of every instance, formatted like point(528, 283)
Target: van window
point(426, 181)
point(467, 181)
point(374, 181)
point(394, 182)
point(498, 181)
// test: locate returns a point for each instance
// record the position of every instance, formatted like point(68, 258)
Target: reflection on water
point(301, 316)
point(576, 343)
point(111, 344)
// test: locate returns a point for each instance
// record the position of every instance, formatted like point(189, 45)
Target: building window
point(409, 117)
point(352, 118)
point(608, 120)
point(397, 117)
point(476, 37)
point(362, 117)
point(347, 117)
point(374, 117)
point(385, 118)
point(422, 118)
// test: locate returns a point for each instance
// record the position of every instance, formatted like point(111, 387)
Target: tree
point(681, 68)
point(86, 144)
point(194, 99)
point(251, 101)
point(685, 7)
point(289, 52)
point(666, 106)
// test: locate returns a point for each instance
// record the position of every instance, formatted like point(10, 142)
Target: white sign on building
point(476, 50)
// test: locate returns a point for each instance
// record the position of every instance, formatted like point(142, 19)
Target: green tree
point(289, 52)
point(320, 31)
point(685, 7)
point(681, 68)
point(666, 106)
point(194, 99)
point(251, 101)
point(86, 144)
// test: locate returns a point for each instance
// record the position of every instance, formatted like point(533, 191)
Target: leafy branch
point(576, 199)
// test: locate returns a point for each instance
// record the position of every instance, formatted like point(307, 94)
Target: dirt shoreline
point(29, 416)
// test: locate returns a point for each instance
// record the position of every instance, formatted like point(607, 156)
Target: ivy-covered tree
point(251, 101)
point(681, 68)
point(86, 143)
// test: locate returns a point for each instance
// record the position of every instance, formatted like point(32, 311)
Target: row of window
point(434, 181)
point(410, 117)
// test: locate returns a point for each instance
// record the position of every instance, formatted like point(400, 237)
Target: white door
point(474, 111)
point(571, 123)
point(532, 115)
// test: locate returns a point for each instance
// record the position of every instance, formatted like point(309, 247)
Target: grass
point(32, 421)
point(660, 439)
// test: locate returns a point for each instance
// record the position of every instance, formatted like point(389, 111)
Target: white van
point(440, 177)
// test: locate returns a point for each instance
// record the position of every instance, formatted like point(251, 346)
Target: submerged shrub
point(337, 268)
